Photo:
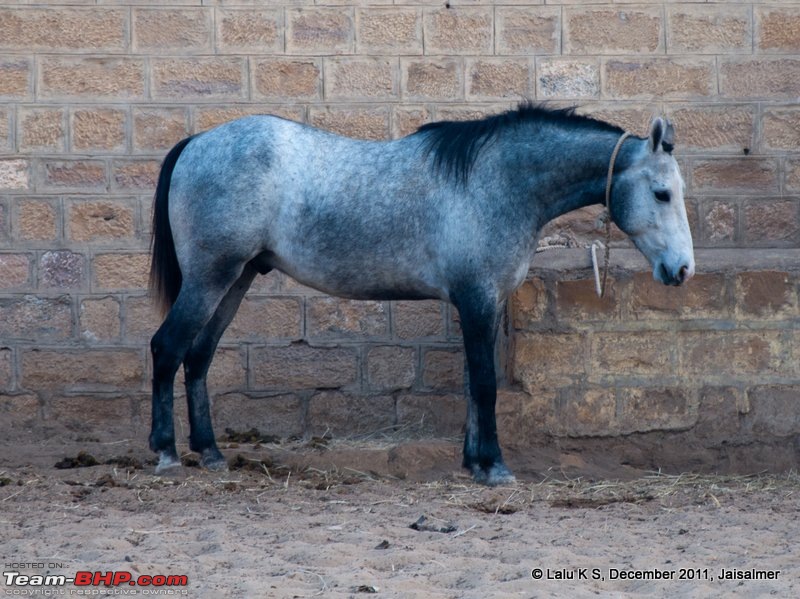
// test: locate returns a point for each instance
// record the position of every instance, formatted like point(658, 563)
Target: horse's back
point(351, 217)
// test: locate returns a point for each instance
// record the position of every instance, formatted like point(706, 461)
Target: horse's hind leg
point(482, 455)
point(193, 308)
point(196, 364)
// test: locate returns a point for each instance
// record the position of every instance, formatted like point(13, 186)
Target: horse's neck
point(579, 180)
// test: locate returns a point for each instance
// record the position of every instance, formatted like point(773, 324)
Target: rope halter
point(601, 287)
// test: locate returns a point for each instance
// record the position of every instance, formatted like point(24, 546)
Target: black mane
point(456, 144)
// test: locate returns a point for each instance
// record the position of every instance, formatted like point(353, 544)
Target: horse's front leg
point(482, 455)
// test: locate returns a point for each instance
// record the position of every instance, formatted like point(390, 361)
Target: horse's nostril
point(683, 273)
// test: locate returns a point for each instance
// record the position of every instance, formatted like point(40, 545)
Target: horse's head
point(647, 204)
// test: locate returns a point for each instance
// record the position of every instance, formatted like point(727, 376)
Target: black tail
point(165, 272)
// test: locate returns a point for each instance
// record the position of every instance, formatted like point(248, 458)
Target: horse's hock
point(706, 376)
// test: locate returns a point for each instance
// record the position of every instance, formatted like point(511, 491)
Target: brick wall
point(92, 95)
point(716, 362)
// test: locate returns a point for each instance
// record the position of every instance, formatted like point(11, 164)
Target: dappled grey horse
point(451, 212)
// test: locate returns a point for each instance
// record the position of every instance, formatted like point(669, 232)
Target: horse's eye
point(663, 196)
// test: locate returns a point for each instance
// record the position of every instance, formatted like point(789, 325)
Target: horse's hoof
point(167, 462)
point(498, 474)
point(213, 461)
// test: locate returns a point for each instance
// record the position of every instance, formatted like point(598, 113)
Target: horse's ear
point(662, 135)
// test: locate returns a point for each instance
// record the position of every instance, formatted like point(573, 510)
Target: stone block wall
point(93, 94)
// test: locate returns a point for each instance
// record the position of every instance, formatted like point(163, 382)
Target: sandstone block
point(395, 31)
point(719, 414)
point(708, 29)
point(670, 78)
point(16, 81)
point(228, 371)
point(198, 78)
point(85, 411)
point(333, 317)
point(64, 29)
point(360, 79)
point(167, 31)
point(438, 415)
point(41, 129)
point(135, 175)
point(646, 409)
point(100, 319)
point(279, 415)
point(704, 298)
point(778, 29)
point(589, 413)
point(529, 31)
point(528, 304)
point(417, 319)
point(731, 354)
point(281, 78)
point(548, 359)
point(633, 354)
point(343, 415)
point(443, 370)
point(721, 128)
point(121, 271)
point(91, 78)
point(760, 78)
point(771, 223)
point(490, 79)
point(319, 30)
point(61, 269)
point(14, 174)
point(250, 30)
point(31, 318)
point(462, 30)
point(158, 129)
point(596, 30)
point(578, 300)
point(391, 367)
point(792, 178)
point(735, 175)
point(302, 367)
point(87, 370)
point(262, 318)
point(6, 118)
point(568, 78)
point(766, 293)
point(73, 175)
point(22, 409)
point(92, 220)
point(98, 129)
point(720, 222)
point(37, 220)
point(774, 410)
point(432, 79)
point(15, 270)
point(141, 319)
point(781, 129)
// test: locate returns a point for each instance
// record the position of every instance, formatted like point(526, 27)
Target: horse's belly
point(363, 279)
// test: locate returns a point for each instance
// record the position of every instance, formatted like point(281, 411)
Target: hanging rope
point(600, 288)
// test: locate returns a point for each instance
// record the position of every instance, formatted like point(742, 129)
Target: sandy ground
point(332, 519)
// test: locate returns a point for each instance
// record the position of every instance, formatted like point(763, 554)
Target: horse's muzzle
point(677, 277)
